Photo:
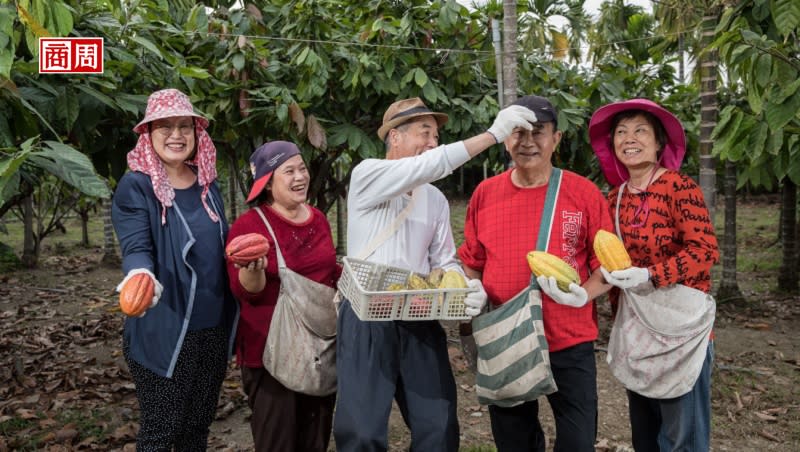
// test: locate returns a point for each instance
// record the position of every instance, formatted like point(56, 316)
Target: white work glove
point(628, 278)
point(576, 297)
point(475, 301)
point(157, 287)
point(509, 119)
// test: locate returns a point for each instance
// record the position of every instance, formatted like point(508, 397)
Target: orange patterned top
point(676, 240)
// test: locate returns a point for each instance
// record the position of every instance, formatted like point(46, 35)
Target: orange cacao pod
point(246, 248)
point(137, 295)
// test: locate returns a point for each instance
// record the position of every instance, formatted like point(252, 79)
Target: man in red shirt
point(501, 227)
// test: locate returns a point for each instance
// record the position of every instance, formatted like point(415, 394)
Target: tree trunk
point(729, 287)
point(110, 257)
point(341, 244)
point(84, 214)
point(509, 51)
point(788, 273)
point(233, 185)
point(30, 255)
point(708, 106)
point(509, 61)
point(681, 65)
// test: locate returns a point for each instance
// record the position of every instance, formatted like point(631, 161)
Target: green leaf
point(786, 14)
point(71, 166)
point(7, 47)
point(778, 115)
point(754, 98)
point(9, 187)
point(303, 55)
point(67, 109)
point(194, 72)
point(9, 176)
point(62, 17)
point(757, 139)
point(420, 77)
point(722, 122)
point(731, 147)
point(148, 45)
point(429, 93)
point(774, 143)
point(238, 61)
point(97, 95)
point(763, 69)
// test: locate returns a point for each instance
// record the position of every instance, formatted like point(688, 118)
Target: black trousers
point(177, 412)
point(284, 420)
point(517, 429)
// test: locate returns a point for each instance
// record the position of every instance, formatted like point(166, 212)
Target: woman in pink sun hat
point(662, 219)
point(169, 217)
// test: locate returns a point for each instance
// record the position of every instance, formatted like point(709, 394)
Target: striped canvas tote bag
point(513, 362)
point(513, 359)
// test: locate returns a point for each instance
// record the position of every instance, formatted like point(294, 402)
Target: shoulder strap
point(389, 230)
point(281, 262)
point(616, 211)
point(548, 213)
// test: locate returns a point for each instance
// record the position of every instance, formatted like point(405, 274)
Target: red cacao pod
point(246, 248)
point(136, 295)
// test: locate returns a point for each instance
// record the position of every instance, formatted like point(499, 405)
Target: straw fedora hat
point(405, 110)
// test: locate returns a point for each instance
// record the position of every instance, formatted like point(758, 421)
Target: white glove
point(475, 301)
point(509, 119)
point(157, 287)
point(576, 297)
point(628, 278)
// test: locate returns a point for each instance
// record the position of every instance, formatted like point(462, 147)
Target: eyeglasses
point(165, 130)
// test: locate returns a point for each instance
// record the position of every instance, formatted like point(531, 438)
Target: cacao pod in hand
point(546, 264)
point(435, 277)
point(453, 280)
point(611, 251)
point(137, 295)
point(247, 248)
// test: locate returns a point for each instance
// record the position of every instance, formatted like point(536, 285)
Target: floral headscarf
point(143, 158)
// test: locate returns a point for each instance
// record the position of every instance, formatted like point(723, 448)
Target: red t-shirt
point(502, 226)
point(307, 249)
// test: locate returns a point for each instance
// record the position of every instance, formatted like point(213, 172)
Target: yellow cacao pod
point(416, 282)
point(435, 277)
point(453, 280)
point(394, 287)
point(611, 251)
point(546, 264)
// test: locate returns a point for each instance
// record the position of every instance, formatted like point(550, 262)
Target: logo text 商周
point(70, 55)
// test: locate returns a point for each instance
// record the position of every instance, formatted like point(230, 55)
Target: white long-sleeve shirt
point(379, 191)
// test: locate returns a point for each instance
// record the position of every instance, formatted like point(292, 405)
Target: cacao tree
point(758, 42)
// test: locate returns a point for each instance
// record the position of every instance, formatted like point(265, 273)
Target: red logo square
point(70, 55)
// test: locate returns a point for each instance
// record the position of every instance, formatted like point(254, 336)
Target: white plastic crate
point(364, 284)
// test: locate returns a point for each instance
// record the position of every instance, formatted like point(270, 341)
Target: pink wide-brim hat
point(168, 103)
point(602, 142)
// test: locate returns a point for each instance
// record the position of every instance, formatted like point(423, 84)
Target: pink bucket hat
point(168, 103)
point(600, 138)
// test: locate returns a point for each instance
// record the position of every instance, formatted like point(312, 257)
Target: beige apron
point(301, 344)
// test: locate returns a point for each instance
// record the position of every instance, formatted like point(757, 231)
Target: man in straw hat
point(405, 361)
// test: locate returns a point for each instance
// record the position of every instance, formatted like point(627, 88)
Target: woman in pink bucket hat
point(169, 217)
point(662, 219)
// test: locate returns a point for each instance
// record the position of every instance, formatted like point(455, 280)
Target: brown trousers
point(284, 420)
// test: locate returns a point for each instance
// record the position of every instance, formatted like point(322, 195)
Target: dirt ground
point(66, 387)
